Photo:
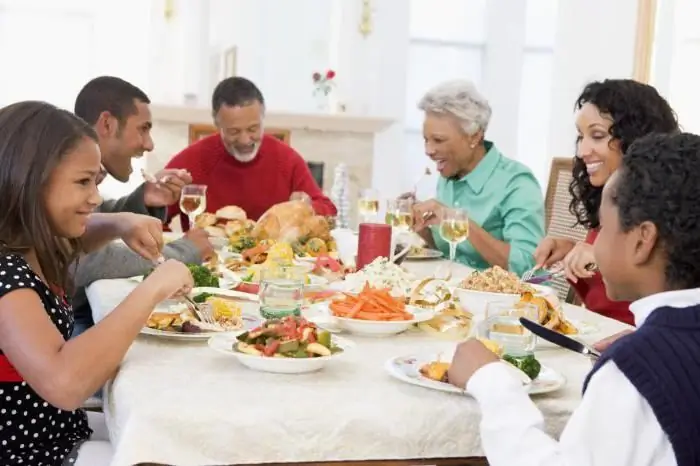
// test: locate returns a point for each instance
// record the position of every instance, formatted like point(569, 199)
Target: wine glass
point(454, 228)
point(399, 213)
point(193, 201)
point(368, 204)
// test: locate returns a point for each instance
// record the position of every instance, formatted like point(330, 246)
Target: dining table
point(181, 403)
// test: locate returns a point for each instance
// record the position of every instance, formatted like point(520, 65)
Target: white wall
point(530, 57)
point(594, 40)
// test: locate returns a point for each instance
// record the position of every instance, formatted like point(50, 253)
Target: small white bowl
point(476, 301)
point(373, 328)
point(223, 343)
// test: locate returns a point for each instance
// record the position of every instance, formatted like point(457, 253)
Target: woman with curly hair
point(612, 114)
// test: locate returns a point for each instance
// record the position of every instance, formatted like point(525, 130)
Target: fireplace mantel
point(336, 122)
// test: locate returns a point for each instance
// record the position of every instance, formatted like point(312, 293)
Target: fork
point(202, 315)
point(555, 271)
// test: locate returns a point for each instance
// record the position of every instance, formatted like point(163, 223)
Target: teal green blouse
point(504, 198)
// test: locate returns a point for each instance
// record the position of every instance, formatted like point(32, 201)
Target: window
point(462, 21)
point(429, 65)
point(446, 42)
point(535, 88)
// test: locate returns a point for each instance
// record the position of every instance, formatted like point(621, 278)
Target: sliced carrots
point(371, 304)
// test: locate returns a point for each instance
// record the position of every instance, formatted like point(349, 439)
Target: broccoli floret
point(202, 276)
point(528, 364)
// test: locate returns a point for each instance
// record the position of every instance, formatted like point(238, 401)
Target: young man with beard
point(241, 165)
point(119, 113)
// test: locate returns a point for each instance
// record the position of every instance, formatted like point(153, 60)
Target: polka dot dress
point(33, 432)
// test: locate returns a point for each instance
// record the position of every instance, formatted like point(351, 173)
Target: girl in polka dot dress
point(49, 162)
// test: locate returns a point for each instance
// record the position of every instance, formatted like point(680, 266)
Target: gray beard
point(244, 158)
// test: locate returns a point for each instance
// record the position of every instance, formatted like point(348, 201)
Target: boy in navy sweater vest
point(641, 405)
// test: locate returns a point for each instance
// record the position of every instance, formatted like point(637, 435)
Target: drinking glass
point(454, 228)
point(300, 196)
point(193, 201)
point(399, 213)
point(281, 291)
point(502, 325)
point(368, 205)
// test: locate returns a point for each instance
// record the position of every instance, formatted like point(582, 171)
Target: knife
point(559, 339)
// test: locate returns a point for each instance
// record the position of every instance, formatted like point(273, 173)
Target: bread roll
point(205, 220)
point(216, 232)
point(234, 227)
point(231, 212)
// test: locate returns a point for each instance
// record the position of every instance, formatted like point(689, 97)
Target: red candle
point(374, 241)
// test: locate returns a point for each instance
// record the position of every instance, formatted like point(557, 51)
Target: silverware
point(202, 315)
point(425, 173)
point(559, 339)
point(557, 270)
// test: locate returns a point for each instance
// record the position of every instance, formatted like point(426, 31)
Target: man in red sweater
point(241, 165)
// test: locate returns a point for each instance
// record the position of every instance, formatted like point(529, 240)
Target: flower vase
point(322, 100)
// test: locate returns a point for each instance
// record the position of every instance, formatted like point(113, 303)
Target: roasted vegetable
point(290, 337)
point(528, 364)
point(241, 243)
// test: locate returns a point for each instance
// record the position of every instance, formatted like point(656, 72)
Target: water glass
point(368, 205)
point(281, 291)
point(502, 325)
point(399, 213)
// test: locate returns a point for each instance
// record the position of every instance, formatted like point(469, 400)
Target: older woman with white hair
point(501, 196)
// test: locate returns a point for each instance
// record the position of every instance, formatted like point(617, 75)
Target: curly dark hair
point(636, 110)
point(659, 182)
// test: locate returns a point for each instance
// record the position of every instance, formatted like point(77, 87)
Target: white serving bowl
point(476, 301)
point(223, 343)
point(373, 328)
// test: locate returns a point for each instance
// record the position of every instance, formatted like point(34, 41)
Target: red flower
point(330, 74)
point(316, 76)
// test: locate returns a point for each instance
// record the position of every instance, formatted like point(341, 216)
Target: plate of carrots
point(373, 312)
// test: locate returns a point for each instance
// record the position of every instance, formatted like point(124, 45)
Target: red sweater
point(270, 178)
point(592, 293)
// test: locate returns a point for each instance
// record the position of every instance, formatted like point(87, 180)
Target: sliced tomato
point(327, 262)
point(251, 288)
point(271, 348)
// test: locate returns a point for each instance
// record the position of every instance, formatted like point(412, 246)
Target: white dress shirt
point(613, 426)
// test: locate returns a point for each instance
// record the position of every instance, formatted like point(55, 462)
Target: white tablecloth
point(184, 404)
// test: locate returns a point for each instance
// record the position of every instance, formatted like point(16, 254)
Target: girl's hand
point(576, 261)
point(170, 279)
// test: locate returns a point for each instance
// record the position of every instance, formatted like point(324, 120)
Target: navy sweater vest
point(662, 360)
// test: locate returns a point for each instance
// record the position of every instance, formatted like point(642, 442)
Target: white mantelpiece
point(327, 138)
point(340, 122)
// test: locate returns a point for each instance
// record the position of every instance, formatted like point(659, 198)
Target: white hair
point(460, 99)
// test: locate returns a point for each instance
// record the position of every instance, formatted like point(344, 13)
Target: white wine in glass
point(193, 201)
point(399, 213)
point(454, 228)
point(368, 205)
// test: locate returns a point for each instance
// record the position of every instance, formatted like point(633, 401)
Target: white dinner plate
point(249, 322)
point(223, 344)
point(425, 254)
point(407, 369)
